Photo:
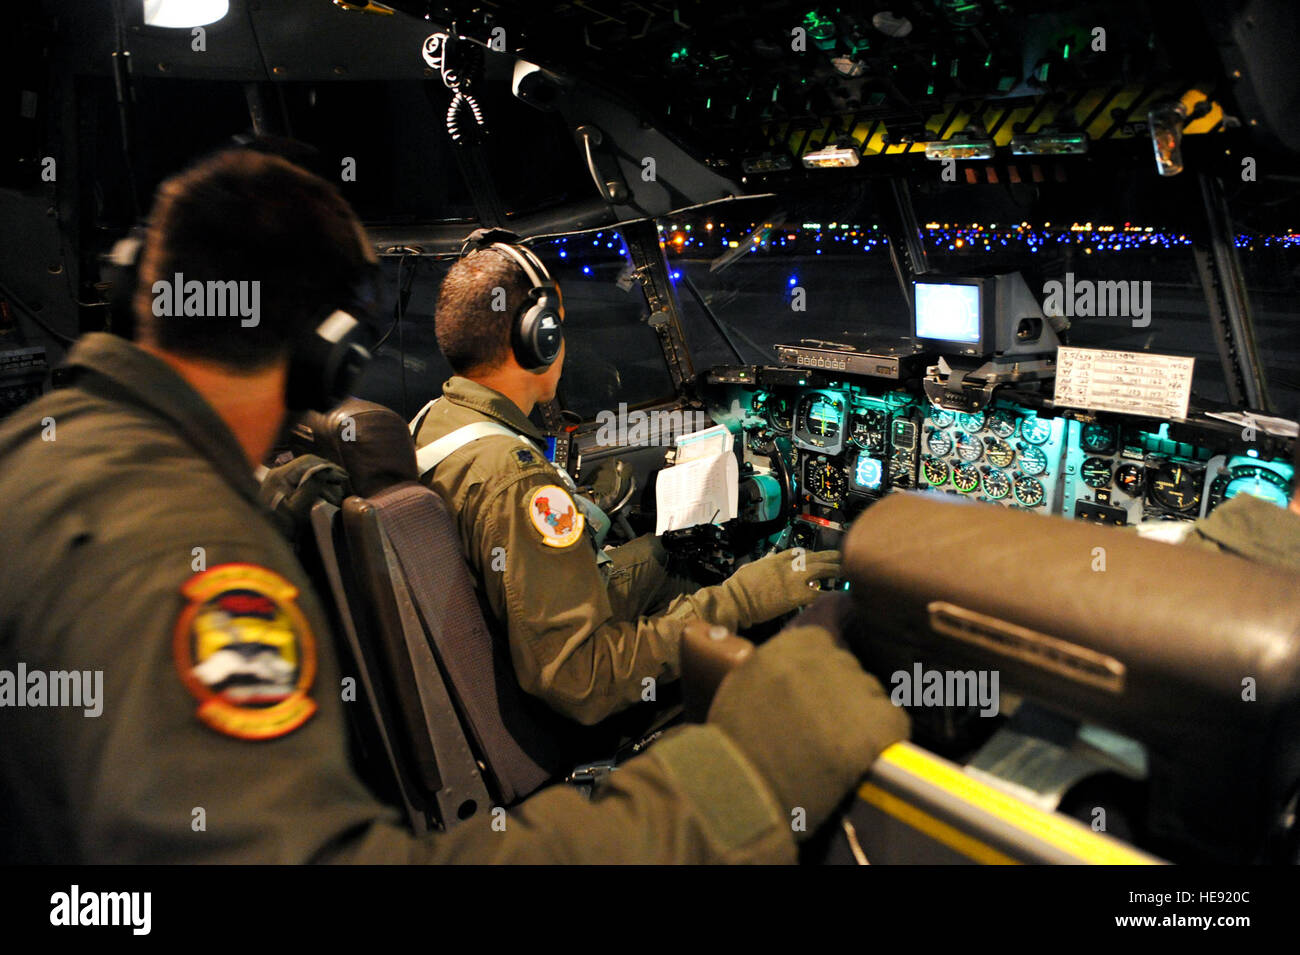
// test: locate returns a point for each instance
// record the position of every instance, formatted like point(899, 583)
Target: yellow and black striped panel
point(915, 808)
point(1103, 113)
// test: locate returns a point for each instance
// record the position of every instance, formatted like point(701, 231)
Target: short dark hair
point(242, 215)
point(472, 333)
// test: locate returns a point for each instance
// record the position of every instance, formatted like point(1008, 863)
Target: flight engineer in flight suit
point(141, 569)
point(585, 629)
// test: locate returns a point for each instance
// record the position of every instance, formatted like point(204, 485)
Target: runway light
point(184, 13)
point(586, 270)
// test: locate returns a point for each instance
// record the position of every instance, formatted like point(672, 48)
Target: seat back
point(415, 741)
point(422, 615)
point(519, 739)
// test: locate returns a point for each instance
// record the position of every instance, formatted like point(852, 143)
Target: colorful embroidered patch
point(246, 651)
point(555, 516)
point(525, 457)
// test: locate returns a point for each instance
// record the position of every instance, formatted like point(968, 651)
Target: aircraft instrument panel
point(845, 443)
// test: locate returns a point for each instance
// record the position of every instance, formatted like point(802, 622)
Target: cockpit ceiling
point(757, 86)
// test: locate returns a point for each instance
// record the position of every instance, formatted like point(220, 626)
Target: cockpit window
point(611, 355)
point(1123, 284)
point(815, 280)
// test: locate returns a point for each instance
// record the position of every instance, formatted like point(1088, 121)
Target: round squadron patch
point(246, 651)
point(555, 516)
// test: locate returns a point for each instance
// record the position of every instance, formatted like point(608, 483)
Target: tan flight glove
point(776, 584)
point(290, 490)
point(809, 718)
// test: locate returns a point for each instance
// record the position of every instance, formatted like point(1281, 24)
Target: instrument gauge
point(999, 452)
point(1096, 472)
point(868, 430)
point(825, 482)
point(1097, 439)
point(972, 422)
point(936, 472)
point(939, 444)
point(996, 484)
point(1002, 424)
point(1035, 430)
point(1129, 479)
point(780, 413)
point(1029, 491)
point(820, 416)
point(966, 478)
point(1032, 460)
point(969, 448)
point(1175, 487)
point(941, 417)
point(1258, 482)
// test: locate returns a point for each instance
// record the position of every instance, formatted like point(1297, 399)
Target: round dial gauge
point(780, 412)
point(1258, 482)
point(972, 422)
point(939, 444)
point(1032, 460)
point(1029, 491)
point(1097, 439)
point(821, 416)
point(969, 447)
point(1176, 487)
point(1000, 453)
point(1096, 472)
point(826, 482)
point(996, 484)
point(941, 417)
point(966, 478)
point(1128, 478)
point(1002, 423)
point(936, 472)
point(1035, 430)
point(869, 430)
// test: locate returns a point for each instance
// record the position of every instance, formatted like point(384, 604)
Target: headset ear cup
point(537, 335)
point(326, 365)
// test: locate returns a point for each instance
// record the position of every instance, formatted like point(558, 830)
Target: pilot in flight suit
point(138, 557)
point(586, 635)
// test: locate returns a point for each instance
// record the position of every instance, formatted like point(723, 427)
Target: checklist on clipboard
point(702, 487)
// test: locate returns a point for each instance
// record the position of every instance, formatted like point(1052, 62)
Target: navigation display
point(949, 312)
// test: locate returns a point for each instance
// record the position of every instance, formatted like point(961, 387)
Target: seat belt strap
point(431, 455)
point(421, 415)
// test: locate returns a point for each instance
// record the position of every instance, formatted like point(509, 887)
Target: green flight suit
point(579, 640)
point(1252, 528)
point(124, 488)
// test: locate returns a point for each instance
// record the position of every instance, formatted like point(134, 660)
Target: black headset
point(328, 359)
point(536, 332)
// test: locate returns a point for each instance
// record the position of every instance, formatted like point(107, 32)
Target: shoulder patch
point(555, 516)
point(525, 456)
point(246, 652)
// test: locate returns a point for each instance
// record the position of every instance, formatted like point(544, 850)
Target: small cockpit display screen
point(949, 312)
point(868, 473)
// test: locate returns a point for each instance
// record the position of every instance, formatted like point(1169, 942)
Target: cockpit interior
point(997, 298)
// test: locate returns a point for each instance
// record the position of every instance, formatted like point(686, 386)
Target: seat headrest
point(369, 441)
